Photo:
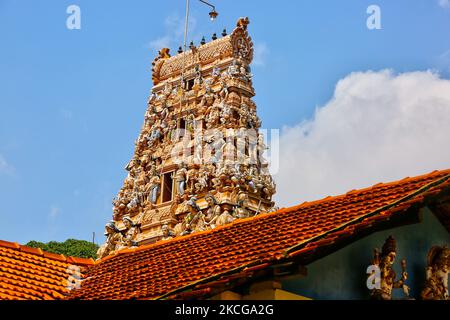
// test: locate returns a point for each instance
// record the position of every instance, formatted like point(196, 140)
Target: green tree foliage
point(70, 247)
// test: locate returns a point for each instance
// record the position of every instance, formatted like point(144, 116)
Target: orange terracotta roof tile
point(31, 274)
point(185, 267)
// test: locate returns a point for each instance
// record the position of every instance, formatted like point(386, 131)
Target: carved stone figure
point(241, 211)
point(269, 186)
point(388, 282)
point(224, 218)
point(234, 69)
point(438, 265)
point(213, 117)
point(214, 210)
point(195, 219)
point(130, 233)
point(113, 238)
point(155, 135)
point(208, 98)
point(154, 188)
point(181, 178)
point(243, 23)
point(167, 234)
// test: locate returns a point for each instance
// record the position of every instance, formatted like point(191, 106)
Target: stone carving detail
point(438, 265)
point(242, 43)
point(207, 109)
point(113, 238)
point(385, 260)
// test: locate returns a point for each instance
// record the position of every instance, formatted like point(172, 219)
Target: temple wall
point(342, 275)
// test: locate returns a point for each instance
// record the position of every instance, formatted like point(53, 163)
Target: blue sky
point(72, 101)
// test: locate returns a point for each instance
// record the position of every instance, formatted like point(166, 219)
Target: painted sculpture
point(438, 265)
point(384, 260)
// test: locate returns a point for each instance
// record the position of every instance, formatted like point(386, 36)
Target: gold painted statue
point(388, 282)
point(438, 265)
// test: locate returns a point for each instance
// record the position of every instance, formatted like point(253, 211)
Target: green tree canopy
point(70, 247)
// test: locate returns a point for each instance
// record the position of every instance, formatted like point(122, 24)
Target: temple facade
point(198, 161)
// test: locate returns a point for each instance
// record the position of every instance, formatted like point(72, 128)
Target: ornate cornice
point(236, 45)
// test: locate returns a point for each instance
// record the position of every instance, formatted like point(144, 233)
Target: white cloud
point(378, 127)
point(5, 167)
point(444, 3)
point(174, 36)
point(260, 52)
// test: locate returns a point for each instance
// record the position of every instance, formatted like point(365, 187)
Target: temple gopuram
point(195, 217)
point(198, 160)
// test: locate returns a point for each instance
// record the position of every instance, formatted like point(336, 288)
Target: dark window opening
point(167, 187)
point(190, 84)
point(182, 124)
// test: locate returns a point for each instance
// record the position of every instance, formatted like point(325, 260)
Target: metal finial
point(180, 50)
point(214, 36)
point(203, 41)
point(224, 32)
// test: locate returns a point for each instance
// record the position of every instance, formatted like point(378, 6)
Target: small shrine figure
point(213, 211)
point(167, 234)
point(195, 219)
point(129, 234)
point(155, 135)
point(388, 281)
point(113, 238)
point(234, 68)
point(181, 178)
point(154, 188)
point(241, 211)
point(208, 98)
point(438, 265)
point(215, 71)
point(201, 182)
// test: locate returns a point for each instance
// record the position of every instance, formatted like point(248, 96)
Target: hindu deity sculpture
point(181, 178)
point(195, 219)
point(388, 282)
point(129, 234)
point(214, 210)
point(154, 188)
point(113, 238)
point(167, 234)
point(438, 265)
point(241, 207)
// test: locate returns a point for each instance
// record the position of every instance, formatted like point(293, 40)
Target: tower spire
point(198, 159)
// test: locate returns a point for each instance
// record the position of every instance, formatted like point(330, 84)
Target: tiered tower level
point(198, 160)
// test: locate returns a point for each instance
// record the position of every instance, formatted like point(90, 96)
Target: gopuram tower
point(198, 161)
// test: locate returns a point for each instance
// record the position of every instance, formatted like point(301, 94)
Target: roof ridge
point(46, 254)
point(356, 191)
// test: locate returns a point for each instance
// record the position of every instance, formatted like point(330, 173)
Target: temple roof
point(206, 263)
point(237, 44)
point(32, 274)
